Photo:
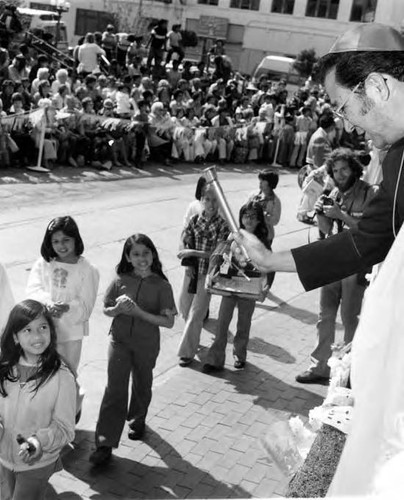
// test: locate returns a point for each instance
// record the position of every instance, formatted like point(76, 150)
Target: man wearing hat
point(363, 74)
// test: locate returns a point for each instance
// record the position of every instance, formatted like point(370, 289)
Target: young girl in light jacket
point(37, 403)
point(67, 284)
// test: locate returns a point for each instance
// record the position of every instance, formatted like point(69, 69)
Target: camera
point(327, 201)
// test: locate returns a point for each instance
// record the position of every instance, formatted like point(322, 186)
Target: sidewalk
point(203, 434)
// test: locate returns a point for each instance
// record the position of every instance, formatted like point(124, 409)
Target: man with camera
point(341, 210)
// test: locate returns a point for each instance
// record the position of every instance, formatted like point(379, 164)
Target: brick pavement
point(203, 436)
point(204, 431)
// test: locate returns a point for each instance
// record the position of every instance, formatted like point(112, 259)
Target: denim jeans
point(217, 352)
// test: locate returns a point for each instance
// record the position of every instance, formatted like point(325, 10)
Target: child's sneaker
point(238, 364)
point(101, 456)
point(185, 361)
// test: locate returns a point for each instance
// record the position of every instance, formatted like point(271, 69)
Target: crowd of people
point(123, 102)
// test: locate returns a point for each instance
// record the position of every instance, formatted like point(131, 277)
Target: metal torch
point(211, 177)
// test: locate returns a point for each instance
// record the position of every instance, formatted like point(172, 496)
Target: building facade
point(251, 29)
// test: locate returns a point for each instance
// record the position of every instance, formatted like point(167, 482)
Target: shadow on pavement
point(255, 345)
point(260, 346)
point(282, 307)
point(270, 392)
point(76, 175)
point(267, 390)
point(126, 478)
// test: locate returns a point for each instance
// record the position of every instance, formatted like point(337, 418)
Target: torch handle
point(211, 177)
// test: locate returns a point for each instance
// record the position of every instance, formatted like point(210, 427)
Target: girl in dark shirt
point(140, 300)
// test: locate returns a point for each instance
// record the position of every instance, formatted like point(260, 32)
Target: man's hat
point(370, 37)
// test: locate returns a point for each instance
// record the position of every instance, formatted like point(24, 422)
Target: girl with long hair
point(140, 300)
point(67, 283)
point(37, 403)
point(251, 218)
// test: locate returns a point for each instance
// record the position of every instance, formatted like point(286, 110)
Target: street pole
point(60, 6)
point(57, 35)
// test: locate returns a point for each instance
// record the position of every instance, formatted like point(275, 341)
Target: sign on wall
point(213, 27)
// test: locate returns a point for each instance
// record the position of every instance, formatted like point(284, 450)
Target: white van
point(45, 20)
point(278, 68)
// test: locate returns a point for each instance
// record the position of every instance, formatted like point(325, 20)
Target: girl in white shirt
point(67, 284)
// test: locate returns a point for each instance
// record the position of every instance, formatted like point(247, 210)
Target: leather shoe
point(137, 430)
point(308, 377)
point(239, 364)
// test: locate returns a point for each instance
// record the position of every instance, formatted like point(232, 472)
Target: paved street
point(203, 435)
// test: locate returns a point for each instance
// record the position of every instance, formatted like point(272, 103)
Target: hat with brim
point(370, 37)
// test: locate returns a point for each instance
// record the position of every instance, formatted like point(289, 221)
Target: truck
point(278, 68)
point(43, 21)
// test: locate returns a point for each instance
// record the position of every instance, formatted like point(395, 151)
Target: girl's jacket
point(49, 414)
point(76, 284)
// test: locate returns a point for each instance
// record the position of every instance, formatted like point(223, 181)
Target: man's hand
point(332, 211)
point(319, 205)
point(259, 255)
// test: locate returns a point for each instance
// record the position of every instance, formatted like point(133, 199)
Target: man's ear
point(376, 87)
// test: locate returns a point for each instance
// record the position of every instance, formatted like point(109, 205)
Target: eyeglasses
point(340, 112)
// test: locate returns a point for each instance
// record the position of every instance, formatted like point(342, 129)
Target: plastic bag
point(288, 443)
